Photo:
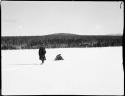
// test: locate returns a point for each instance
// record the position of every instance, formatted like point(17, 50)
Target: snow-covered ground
point(87, 71)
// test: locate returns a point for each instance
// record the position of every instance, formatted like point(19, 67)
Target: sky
point(31, 18)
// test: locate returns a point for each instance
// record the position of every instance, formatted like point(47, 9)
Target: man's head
point(42, 45)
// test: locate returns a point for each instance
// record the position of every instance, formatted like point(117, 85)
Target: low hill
point(60, 40)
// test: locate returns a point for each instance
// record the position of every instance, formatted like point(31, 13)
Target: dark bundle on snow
point(59, 57)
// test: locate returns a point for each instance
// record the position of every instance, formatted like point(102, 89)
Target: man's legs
point(43, 58)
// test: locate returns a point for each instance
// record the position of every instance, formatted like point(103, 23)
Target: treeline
point(57, 41)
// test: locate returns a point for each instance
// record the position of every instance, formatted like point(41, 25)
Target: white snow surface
point(84, 71)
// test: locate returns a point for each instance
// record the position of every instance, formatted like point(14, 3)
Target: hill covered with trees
point(60, 40)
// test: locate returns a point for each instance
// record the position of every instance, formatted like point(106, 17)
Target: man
point(42, 53)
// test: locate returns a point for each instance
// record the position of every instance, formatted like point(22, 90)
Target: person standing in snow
point(42, 53)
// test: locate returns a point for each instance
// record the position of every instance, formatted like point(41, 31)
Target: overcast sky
point(26, 18)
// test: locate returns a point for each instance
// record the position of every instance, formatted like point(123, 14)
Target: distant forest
point(61, 40)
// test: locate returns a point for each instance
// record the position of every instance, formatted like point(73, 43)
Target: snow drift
point(87, 71)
